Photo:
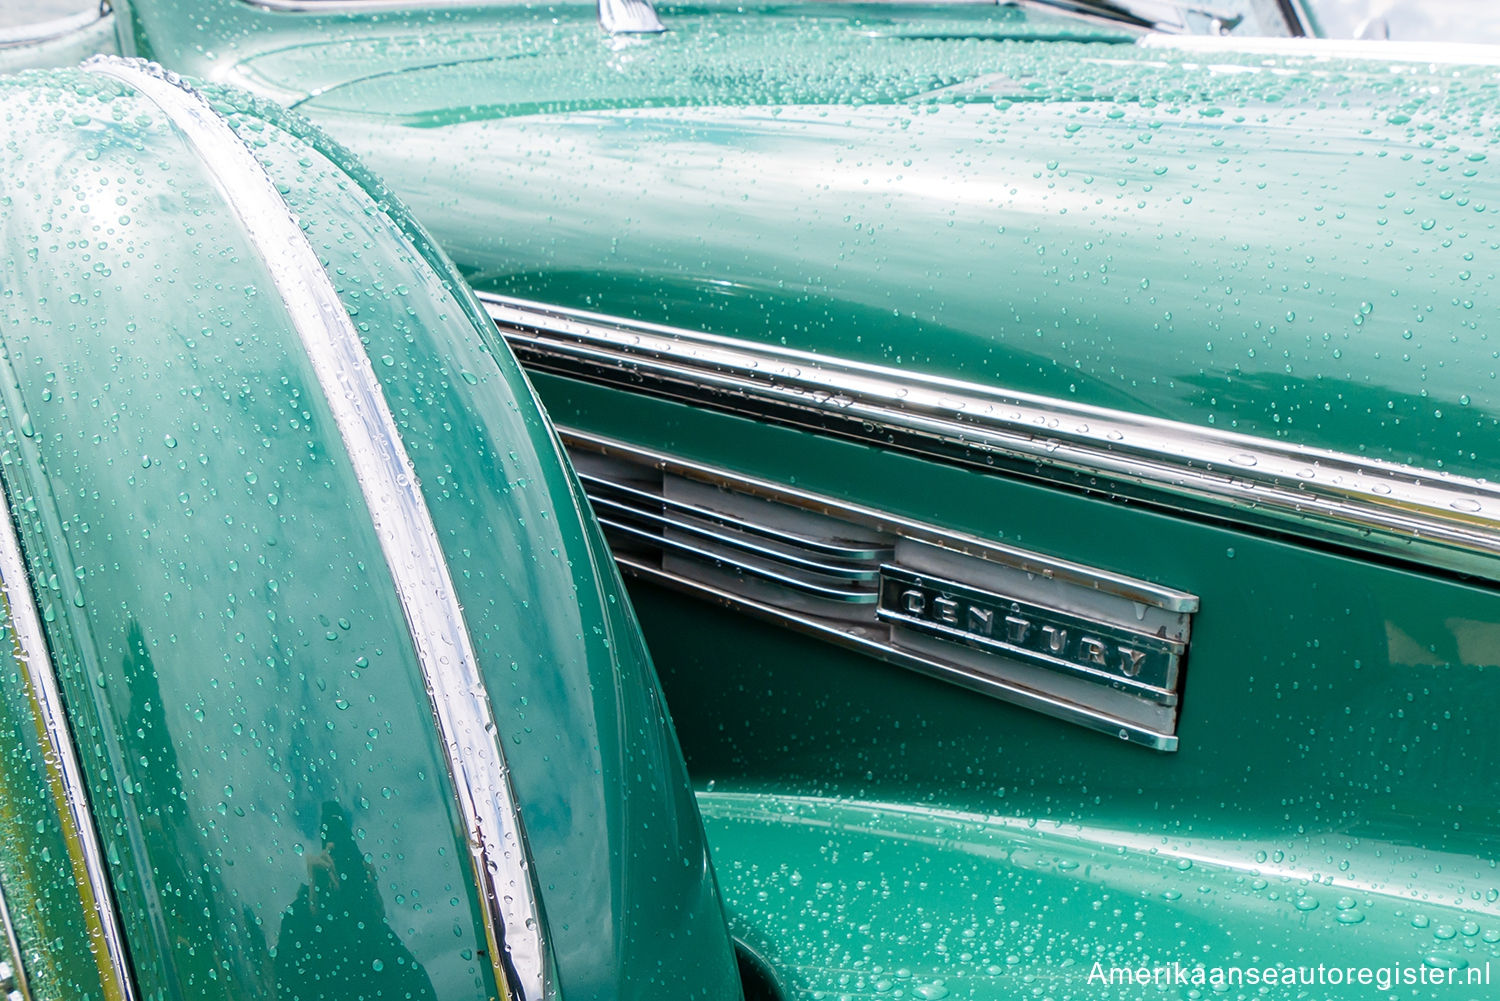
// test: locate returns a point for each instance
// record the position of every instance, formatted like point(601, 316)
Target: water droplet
point(1444, 961)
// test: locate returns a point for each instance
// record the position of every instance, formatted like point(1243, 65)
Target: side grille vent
point(793, 557)
point(1080, 644)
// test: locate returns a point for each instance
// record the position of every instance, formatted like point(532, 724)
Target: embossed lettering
point(1005, 627)
point(981, 621)
point(1092, 651)
point(946, 609)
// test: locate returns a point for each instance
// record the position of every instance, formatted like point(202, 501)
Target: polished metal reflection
point(54, 28)
point(837, 550)
point(977, 613)
point(1017, 694)
point(29, 646)
point(618, 17)
point(511, 906)
point(741, 566)
point(1011, 626)
point(12, 982)
point(1322, 50)
point(629, 17)
point(346, 6)
point(842, 571)
point(1431, 519)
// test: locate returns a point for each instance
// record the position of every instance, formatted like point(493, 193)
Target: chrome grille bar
point(834, 549)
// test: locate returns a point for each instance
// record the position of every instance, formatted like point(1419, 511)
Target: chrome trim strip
point(618, 17)
point(1415, 54)
point(30, 648)
point(21, 985)
point(1431, 519)
point(719, 559)
point(1129, 588)
point(856, 635)
point(955, 674)
point(629, 17)
point(850, 573)
point(347, 6)
point(54, 28)
point(510, 904)
point(729, 521)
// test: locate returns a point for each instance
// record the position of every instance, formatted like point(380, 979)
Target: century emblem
point(1084, 646)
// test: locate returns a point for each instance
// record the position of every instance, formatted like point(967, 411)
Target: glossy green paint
point(939, 904)
point(1334, 726)
point(1295, 247)
point(1288, 246)
point(261, 752)
point(38, 878)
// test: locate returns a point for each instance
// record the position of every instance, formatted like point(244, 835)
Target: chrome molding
point(29, 646)
point(1415, 54)
point(54, 28)
point(1084, 645)
point(511, 905)
point(618, 17)
point(1431, 519)
point(836, 550)
point(13, 983)
point(359, 6)
point(629, 17)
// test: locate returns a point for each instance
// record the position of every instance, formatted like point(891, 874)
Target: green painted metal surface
point(931, 904)
point(1295, 247)
point(261, 751)
point(40, 866)
point(1334, 718)
point(1278, 267)
point(1287, 246)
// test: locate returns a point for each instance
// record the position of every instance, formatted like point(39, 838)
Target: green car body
point(250, 689)
point(915, 354)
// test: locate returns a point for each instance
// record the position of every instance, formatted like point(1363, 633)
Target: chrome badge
point(1086, 646)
